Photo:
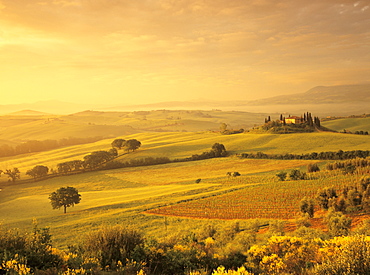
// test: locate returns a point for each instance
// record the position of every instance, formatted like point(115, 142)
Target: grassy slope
point(112, 124)
point(121, 195)
point(182, 145)
point(351, 124)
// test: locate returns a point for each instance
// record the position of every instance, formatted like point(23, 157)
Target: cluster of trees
point(225, 131)
point(33, 146)
point(131, 144)
point(295, 174)
point(38, 172)
point(90, 162)
point(211, 249)
point(337, 203)
point(97, 158)
point(136, 162)
point(348, 166)
point(218, 150)
point(350, 199)
point(306, 123)
point(329, 155)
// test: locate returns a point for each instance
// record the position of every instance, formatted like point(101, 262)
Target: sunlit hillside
point(23, 126)
point(176, 145)
point(348, 124)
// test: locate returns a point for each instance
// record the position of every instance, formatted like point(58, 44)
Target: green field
point(123, 195)
point(181, 145)
point(349, 124)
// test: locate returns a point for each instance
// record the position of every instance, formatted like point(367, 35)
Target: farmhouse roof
point(293, 117)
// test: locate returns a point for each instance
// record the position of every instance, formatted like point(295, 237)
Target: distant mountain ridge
point(49, 106)
point(322, 95)
point(28, 113)
point(322, 100)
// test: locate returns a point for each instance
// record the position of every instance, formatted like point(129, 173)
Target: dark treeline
point(330, 155)
point(348, 165)
point(33, 146)
point(218, 150)
point(356, 132)
point(136, 162)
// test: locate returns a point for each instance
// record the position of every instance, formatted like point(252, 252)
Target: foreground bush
point(230, 250)
point(113, 245)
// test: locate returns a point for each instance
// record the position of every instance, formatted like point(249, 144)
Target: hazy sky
point(142, 51)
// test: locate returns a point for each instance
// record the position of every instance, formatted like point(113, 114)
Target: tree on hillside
point(13, 174)
point(307, 206)
point(337, 223)
point(69, 166)
point(223, 127)
point(295, 174)
point(323, 196)
point(113, 152)
point(219, 150)
point(132, 144)
point(64, 197)
point(313, 167)
point(39, 171)
point(282, 175)
point(96, 158)
point(118, 143)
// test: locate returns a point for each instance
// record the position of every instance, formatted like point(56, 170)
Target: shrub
point(282, 176)
point(112, 244)
point(345, 255)
point(313, 167)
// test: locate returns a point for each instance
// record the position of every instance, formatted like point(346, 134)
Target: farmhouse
point(293, 119)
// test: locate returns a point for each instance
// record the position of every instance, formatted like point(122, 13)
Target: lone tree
point(13, 174)
point(64, 197)
point(219, 150)
point(307, 206)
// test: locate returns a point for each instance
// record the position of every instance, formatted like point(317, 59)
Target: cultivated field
point(268, 199)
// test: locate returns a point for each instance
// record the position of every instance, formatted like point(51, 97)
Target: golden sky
point(143, 51)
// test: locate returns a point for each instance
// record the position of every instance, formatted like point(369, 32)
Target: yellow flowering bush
point(345, 255)
point(284, 254)
point(15, 267)
point(222, 271)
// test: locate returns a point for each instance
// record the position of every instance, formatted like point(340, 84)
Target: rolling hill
point(34, 126)
point(348, 124)
point(124, 194)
